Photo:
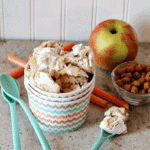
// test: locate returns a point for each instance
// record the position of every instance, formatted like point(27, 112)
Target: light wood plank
point(109, 9)
point(16, 19)
point(139, 18)
point(47, 19)
point(78, 20)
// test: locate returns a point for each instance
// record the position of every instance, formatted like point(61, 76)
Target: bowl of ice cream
point(132, 81)
point(59, 85)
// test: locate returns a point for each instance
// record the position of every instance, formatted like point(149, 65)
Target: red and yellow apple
point(113, 42)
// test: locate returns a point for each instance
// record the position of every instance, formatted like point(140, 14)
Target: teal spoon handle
point(35, 125)
point(103, 137)
point(98, 143)
point(15, 131)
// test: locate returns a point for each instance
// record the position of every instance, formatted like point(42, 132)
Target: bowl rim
point(112, 78)
point(55, 99)
point(86, 96)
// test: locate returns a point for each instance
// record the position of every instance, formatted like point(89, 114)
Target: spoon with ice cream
point(112, 124)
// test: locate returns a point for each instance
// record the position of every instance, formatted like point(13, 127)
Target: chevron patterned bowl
point(59, 115)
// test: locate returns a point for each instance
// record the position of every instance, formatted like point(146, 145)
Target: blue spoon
point(15, 129)
point(103, 137)
point(10, 88)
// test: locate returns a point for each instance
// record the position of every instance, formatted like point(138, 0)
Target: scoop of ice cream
point(117, 111)
point(81, 56)
point(45, 82)
point(30, 74)
point(52, 44)
point(114, 122)
point(73, 71)
point(113, 125)
point(47, 62)
point(71, 83)
point(48, 47)
point(77, 49)
point(33, 62)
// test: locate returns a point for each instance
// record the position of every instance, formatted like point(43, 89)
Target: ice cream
point(57, 71)
point(117, 111)
point(113, 125)
point(114, 122)
point(82, 57)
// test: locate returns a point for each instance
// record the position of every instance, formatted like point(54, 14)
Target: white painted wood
point(47, 19)
point(16, 19)
point(109, 9)
point(125, 11)
point(63, 19)
point(32, 19)
point(69, 20)
point(1, 20)
point(94, 13)
point(139, 18)
point(78, 20)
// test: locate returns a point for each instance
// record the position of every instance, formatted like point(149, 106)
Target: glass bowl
point(135, 99)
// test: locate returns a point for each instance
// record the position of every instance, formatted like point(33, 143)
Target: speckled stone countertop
point(137, 137)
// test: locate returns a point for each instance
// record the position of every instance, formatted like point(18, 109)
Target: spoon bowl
point(11, 100)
